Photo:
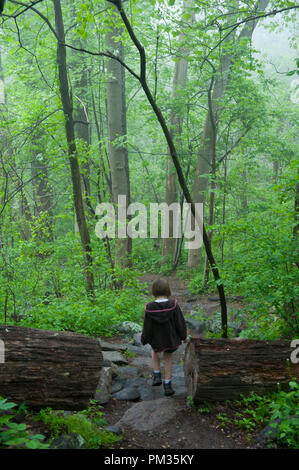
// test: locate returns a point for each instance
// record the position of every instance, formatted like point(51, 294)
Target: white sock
point(167, 381)
point(156, 372)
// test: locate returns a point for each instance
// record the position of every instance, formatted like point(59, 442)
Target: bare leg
point(156, 360)
point(167, 365)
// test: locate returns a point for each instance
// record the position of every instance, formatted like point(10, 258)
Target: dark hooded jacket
point(164, 326)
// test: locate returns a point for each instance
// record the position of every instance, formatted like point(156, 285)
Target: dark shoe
point(156, 379)
point(168, 390)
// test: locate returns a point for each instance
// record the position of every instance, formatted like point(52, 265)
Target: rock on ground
point(115, 357)
point(68, 441)
point(106, 346)
point(148, 415)
point(127, 394)
point(143, 362)
point(128, 328)
point(139, 350)
point(103, 391)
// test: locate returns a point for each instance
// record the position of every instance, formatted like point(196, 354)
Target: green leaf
point(6, 405)
point(16, 426)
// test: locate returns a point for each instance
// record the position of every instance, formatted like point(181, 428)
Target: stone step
point(106, 346)
point(114, 356)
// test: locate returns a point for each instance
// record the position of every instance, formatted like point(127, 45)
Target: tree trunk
point(81, 120)
point(213, 185)
point(176, 123)
point(25, 216)
point(206, 151)
point(41, 190)
point(72, 150)
point(223, 208)
point(117, 133)
point(206, 148)
point(49, 368)
point(222, 369)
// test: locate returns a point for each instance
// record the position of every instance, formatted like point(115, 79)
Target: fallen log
point(53, 369)
point(222, 369)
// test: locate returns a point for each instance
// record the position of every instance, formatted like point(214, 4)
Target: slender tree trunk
point(213, 174)
point(275, 170)
point(117, 133)
point(72, 150)
point(211, 212)
point(81, 122)
point(223, 208)
point(25, 216)
point(41, 190)
point(243, 193)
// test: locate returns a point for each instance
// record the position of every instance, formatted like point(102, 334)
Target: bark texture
point(49, 368)
point(222, 369)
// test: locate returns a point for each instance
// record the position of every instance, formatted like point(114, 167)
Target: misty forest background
point(77, 129)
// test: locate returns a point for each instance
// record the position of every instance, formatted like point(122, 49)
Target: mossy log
point(53, 369)
point(222, 369)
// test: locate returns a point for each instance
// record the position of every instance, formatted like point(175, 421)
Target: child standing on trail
point(164, 328)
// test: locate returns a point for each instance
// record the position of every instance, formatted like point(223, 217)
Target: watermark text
point(295, 353)
point(138, 221)
point(2, 352)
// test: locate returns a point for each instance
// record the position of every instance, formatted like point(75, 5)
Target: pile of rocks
point(126, 381)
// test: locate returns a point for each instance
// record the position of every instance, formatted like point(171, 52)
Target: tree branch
point(104, 54)
point(31, 7)
point(257, 17)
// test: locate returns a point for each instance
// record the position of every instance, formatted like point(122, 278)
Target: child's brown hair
point(161, 288)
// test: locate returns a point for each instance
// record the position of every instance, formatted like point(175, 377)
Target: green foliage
point(14, 434)
point(54, 295)
point(223, 418)
point(90, 318)
point(285, 406)
point(262, 266)
point(85, 423)
point(206, 407)
point(190, 403)
point(280, 409)
point(153, 263)
point(272, 281)
point(129, 354)
point(296, 71)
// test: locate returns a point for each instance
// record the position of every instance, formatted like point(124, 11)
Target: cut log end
point(223, 369)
